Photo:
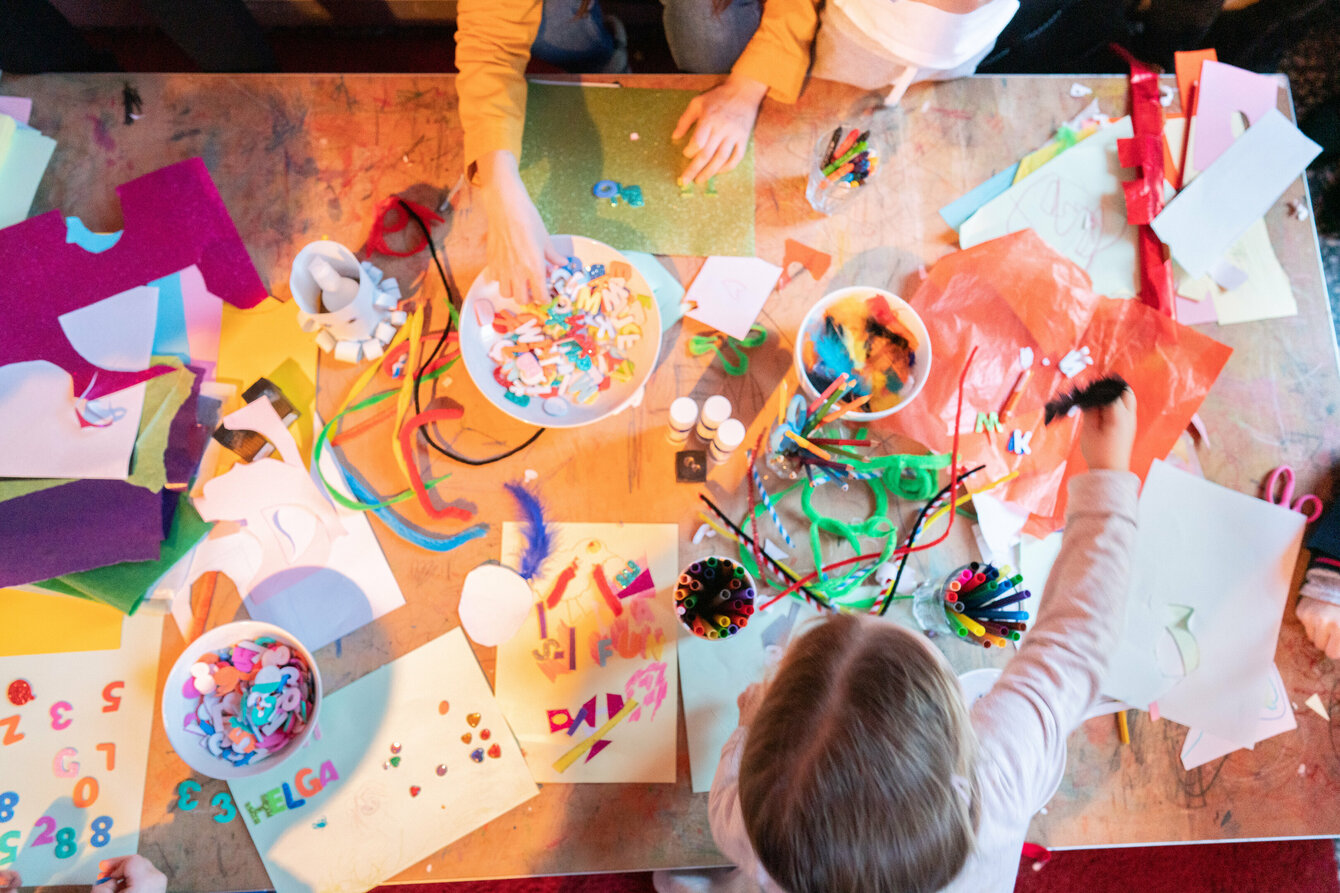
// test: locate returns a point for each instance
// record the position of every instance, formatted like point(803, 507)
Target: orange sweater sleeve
point(493, 40)
point(779, 52)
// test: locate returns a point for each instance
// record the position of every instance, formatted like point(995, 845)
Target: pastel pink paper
point(20, 108)
point(173, 219)
point(1224, 91)
point(1193, 313)
point(204, 320)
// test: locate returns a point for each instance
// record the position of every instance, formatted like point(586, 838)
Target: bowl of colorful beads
point(580, 355)
point(240, 699)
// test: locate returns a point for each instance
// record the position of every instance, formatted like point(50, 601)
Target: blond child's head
point(858, 767)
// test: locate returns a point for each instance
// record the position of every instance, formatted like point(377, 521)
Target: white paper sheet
point(1000, 523)
point(495, 601)
point(1206, 218)
point(1226, 557)
point(103, 702)
point(370, 820)
point(729, 293)
point(1075, 203)
point(1276, 717)
point(578, 656)
point(713, 674)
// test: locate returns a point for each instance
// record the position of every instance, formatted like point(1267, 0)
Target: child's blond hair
point(858, 769)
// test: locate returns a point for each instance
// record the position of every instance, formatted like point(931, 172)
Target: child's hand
point(1321, 622)
point(1108, 433)
point(10, 881)
point(133, 874)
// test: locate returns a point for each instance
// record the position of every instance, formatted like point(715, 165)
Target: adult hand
point(1108, 433)
point(1321, 622)
point(10, 881)
point(722, 119)
point(132, 874)
point(518, 243)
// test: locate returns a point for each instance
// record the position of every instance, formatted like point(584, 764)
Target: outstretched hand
point(518, 243)
point(722, 120)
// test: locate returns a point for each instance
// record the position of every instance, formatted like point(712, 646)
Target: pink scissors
point(1307, 504)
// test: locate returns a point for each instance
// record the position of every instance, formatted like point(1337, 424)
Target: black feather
point(1100, 392)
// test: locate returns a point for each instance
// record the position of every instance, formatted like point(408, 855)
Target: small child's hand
point(132, 874)
point(748, 702)
point(10, 881)
point(1321, 622)
point(1108, 433)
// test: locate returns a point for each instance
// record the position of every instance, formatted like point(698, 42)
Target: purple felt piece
point(173, 218)
point(186, 437)
point(77, 527)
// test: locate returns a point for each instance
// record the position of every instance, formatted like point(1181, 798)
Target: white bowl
point(907, 318)
point(176, 707)
point(475, 342)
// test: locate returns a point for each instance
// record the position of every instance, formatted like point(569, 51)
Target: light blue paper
point(170, 337)
point(76, 233)
point(665, 287)
point(966, 205)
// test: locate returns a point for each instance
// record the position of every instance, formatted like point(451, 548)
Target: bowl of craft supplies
point(714, 598)
point(241, 699)
point(580, 355)
point(864, 350)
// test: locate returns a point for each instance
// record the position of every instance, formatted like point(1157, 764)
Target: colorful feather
point(539, 538)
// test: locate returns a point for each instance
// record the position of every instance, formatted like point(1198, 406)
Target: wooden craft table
point(301, 157)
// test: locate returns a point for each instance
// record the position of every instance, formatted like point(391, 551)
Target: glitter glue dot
point(442, 708)
point(442, 769)
point(395, 747)
point(477, 754)
point(494, 752)
point(414, 790)
point(473, 720)
point(485, 734)
point(467, 738)
point(20, 692)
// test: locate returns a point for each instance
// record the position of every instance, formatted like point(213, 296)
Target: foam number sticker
point(12, 733)
point(102, 831)
point(59, 710)
point(113, 698)
point(109, 748)
point(185, 802)
point(9, 846)
point(223, 802)
point(8, 800)
point(47, 835)
point(65, 845)
point(85, 792)
point(64, 764)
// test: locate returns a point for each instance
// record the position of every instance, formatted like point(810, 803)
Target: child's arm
point(723, 805)
point(1044, 692)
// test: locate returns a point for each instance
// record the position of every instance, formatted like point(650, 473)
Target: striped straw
point(767, 501)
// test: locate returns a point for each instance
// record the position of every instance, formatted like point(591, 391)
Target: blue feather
point(539, 538)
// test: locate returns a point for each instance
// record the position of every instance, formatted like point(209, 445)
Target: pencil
point(1123, 729)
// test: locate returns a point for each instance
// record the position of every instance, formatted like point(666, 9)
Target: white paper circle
point(495, 601)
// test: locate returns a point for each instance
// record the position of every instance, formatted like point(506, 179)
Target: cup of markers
point(978, 603)
point(843, 162)
point(714, 598)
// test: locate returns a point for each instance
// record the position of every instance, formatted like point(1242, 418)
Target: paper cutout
point(1188, 66)
point(36, 623)
point(1314, 704)
point(665, 287)
point(1216, 209)
point(812, 260)
point(573, 650)
point(1074, 203)
point(1144, 195)
point(17, 107)
point(1186, 658)
point(21, 170)
point(1000, 523)
point(329, 819)
point(173, 218)
point(576, 136)
point(729, 292)
point(83, 702)
point(495, 601)
point(960, 209)
point(1222, 93)
point(1228, 557)
point(1276, 717)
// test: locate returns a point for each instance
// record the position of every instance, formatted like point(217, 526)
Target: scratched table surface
point(302, 157)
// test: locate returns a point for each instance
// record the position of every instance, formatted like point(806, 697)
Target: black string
point(441, 341)
point(736, 529)
point(916, 529)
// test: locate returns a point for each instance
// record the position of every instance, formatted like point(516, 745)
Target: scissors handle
point(1306, 500)
point(1276, 494)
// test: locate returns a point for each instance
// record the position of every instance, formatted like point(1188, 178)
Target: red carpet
point(1297, 866)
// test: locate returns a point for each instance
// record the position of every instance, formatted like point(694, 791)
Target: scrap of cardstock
point(583, 652)
point(960, 209)
point(39, 623)
point(729, 292)
point(1206, 218)
point(21, 170)
point(75, 728)
point(665, 287)
point(1276, 718)
point(1223, 92)
point(173, 218)
point(20, 108)
point(577, 136)
point(1226, 557)
point(411, 757)
point(1075, 204)
point(714, 673)
point(495, 601)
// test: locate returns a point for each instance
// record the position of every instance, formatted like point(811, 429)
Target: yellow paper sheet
point(36, 623)
point(1266, 294)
